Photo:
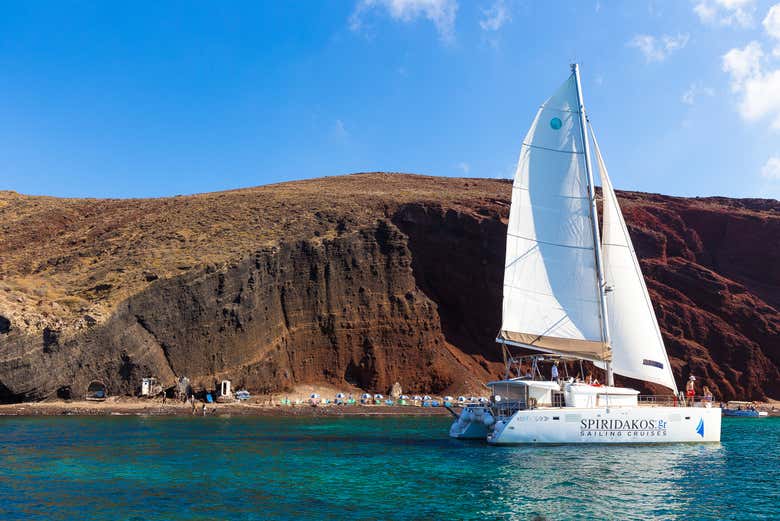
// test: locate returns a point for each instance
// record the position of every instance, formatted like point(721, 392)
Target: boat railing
point(666, 400)
point(659, 400)
point(506, 408)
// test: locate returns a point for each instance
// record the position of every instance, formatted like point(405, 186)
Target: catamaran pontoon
point(571, 293)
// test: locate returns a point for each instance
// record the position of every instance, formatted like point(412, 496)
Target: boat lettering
point(634, 428)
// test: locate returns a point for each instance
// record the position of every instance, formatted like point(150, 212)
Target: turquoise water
point(144, 468)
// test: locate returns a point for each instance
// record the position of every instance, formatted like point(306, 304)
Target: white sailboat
point(570, 293)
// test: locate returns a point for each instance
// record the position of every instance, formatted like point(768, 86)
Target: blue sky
point(101, 99)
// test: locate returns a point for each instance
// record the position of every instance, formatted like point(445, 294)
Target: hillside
point(364, 279)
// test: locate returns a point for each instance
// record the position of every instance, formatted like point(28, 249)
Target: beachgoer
point(203, 408)
point(554, 372)
point(690, 389)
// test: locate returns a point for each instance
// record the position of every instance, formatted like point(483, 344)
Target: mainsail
point(551, 290)
point(637, 346)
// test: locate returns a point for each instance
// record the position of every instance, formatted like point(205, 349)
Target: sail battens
point(528, 290)
point(574, 197)
point(549, 243)
point(552, 149)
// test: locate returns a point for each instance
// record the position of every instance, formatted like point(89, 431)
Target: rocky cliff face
point(365, 279)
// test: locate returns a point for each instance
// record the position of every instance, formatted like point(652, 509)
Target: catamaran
point(577, 294)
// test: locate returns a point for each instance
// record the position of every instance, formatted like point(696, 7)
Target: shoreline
point(157, 408)
point(144, 407)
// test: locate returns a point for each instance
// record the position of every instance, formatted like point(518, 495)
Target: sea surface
point(144, 468)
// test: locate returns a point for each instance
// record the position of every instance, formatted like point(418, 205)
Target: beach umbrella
point(461, 399)
point(426, 397)
point(365, 396)
point(448, 398)
point(314, 396)
point(417, 397)
point(378, 396)
point(482, 399)
point(340, 395)
point(403, 397)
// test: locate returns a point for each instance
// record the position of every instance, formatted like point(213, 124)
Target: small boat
point(743, 410)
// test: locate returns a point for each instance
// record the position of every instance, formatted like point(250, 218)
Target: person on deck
point(554, 372)
point(690, 389)
point(707, 394)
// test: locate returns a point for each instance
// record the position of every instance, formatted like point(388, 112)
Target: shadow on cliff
point(457, 261)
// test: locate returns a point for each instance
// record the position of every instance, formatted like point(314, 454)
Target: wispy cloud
point(757, 85)
point(657, 49)
point(339, 131)
point(726, 12)
point(772, 22)
point(771, 169)
point(695, 91)
point(441, 13)
point(465, 167)
point(495, 17)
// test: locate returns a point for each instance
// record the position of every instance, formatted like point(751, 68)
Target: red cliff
point(365, 279)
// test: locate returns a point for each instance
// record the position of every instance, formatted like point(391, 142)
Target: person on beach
point(690, 389)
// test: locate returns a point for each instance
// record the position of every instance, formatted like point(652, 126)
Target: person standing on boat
point(554, 372)
point(690, 389)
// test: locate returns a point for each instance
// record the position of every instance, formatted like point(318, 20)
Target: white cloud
point(772, 22)
point(771, 169)
point(657, 49)
point(464, 166)
point(726, 12)
point(757, 86)
point(440, 12)
point(694, 91)
point(495, 17)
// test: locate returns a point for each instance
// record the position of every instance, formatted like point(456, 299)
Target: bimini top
point(520, 382)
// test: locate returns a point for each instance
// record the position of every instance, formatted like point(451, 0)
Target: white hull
point(614, 425)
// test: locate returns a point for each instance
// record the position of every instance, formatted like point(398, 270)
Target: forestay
point(551, 294)
point(637, 346)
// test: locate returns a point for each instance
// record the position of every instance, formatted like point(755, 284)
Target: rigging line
point(516, 236)
point(551, 149)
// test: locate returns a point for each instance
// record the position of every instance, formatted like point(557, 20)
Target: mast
point(575, 68)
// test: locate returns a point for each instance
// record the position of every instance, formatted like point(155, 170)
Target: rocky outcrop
point(365, 280)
